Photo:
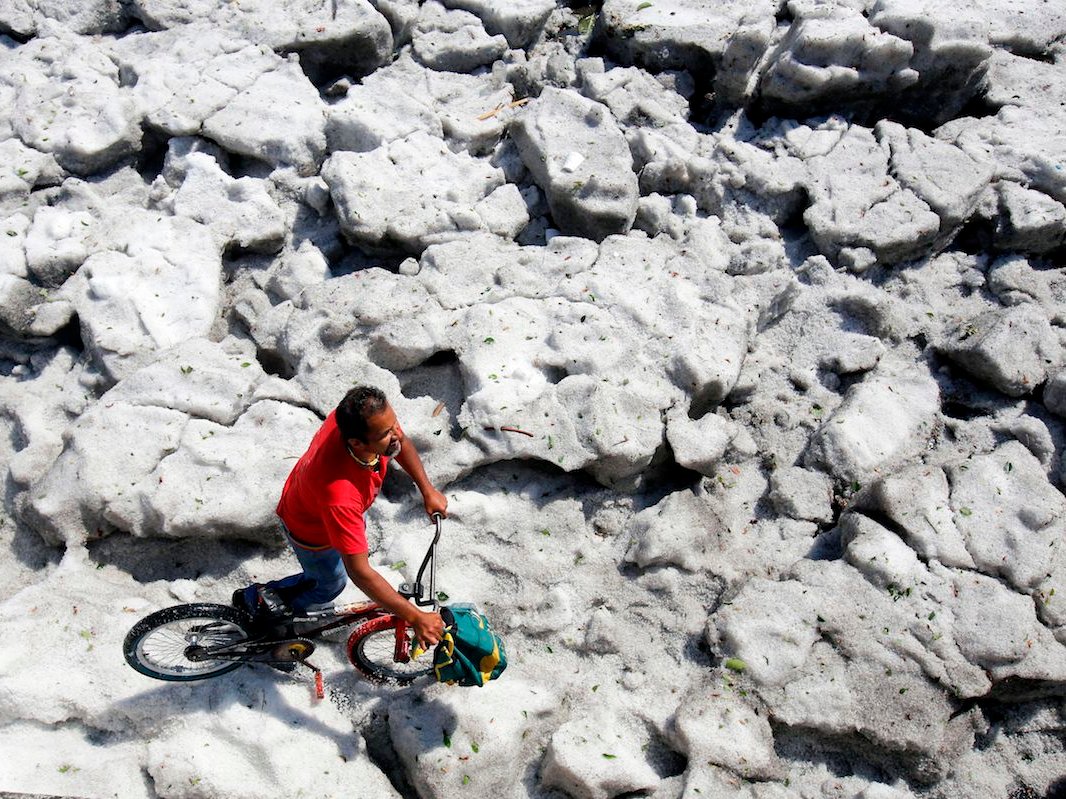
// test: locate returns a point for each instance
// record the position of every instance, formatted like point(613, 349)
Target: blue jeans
point(323, 572)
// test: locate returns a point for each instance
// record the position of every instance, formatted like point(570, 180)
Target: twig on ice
point(501, 107)
point(510, 430)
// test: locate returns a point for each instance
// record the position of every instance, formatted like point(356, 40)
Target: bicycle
point(203, 640)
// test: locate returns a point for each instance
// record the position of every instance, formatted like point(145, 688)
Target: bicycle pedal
point(320, 683)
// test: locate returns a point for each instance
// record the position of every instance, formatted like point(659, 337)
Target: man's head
point(368, 423)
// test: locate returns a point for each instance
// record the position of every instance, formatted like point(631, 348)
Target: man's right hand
point(429, 627)
point(436, 503)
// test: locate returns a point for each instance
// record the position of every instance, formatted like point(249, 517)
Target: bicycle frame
point(315, 623)
point(306, 627)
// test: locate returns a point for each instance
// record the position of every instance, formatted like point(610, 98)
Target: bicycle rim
point(160, 645)
point(372, 650)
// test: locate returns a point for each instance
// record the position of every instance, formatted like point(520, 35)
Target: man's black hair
point(358, 405)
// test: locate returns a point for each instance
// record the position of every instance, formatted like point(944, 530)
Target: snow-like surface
point(733, 332)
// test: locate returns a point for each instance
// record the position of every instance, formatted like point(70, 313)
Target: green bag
point(470, 653)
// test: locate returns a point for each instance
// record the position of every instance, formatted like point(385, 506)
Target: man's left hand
point(435, 502)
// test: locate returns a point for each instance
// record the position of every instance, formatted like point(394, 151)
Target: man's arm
point(409, 461)
point(428, 627)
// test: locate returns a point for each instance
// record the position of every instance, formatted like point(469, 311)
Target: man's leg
point(324, 577)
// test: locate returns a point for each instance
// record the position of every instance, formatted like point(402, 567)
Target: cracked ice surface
point(733, 333)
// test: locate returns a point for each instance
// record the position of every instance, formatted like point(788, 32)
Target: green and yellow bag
point(470, 653)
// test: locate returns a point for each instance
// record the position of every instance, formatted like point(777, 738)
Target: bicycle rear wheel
point(377, 648)
point(174, 644)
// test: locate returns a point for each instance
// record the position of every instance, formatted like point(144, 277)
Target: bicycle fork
point(403, 642)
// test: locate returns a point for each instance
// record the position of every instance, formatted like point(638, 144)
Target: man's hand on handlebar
point(435, 503)
point(429, 627)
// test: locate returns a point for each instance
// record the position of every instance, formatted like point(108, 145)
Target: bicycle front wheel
point(176, 643)
point(381, 650)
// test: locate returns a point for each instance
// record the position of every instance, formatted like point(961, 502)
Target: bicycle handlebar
point(431, 561)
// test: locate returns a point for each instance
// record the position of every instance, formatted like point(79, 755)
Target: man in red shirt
point(322, 506)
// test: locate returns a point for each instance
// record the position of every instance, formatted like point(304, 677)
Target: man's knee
point(334, 587)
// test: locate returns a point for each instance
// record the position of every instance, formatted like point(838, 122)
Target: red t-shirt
point(327, 493)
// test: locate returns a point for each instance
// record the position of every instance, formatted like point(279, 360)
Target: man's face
point(384, 436)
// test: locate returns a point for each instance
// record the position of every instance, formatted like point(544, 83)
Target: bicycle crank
point(293, 650)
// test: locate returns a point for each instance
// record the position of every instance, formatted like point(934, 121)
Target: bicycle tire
point(158, 644)
point(372, 649)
